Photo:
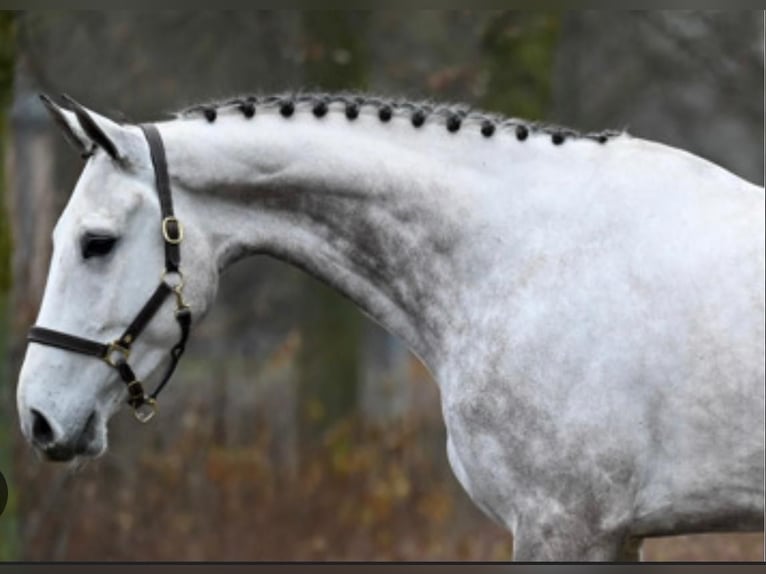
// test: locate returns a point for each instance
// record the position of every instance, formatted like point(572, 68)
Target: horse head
point(107, 260)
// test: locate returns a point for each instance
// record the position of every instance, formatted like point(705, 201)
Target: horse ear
point(92, 130)
point(99, 129)
point(69, 125)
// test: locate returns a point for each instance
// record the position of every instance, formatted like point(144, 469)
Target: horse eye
point(94, 245)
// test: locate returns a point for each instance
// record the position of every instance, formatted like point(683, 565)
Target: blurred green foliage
point(518, 50)
point(7, 44)
point(336, 51)
point(9, 548)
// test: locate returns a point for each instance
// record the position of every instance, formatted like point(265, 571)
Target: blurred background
point(295, 428)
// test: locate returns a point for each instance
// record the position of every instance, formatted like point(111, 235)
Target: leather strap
point(171, 227)
point(183, 316)
point(67, 342)
point(145, 315)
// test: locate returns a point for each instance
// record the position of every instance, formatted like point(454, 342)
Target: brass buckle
point(146, 410)
point(166, 234)
point(115, 348)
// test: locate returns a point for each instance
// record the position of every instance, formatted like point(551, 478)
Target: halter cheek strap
point(117, 353)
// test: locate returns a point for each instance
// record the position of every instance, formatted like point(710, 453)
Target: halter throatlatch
point(117, 353)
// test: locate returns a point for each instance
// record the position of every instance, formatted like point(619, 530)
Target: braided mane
point(452, 116)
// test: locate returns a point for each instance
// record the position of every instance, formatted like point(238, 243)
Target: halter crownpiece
point(117, 353)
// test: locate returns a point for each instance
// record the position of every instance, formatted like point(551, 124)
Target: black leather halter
point(116, 353)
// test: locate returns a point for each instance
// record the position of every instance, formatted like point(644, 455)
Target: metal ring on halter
point(114, 348)
point(146, 410)
point(174, 285)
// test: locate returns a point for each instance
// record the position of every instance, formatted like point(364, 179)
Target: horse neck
point(378, 211)
point(426, 230)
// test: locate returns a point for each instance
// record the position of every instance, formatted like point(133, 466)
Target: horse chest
point(484, 451)
point(475, 476)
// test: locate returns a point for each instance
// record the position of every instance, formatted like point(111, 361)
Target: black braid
point(287, 108)
point(352, 111)
point(247, 108)
point(210, 113)
point(320, 109)
point(453, 123)
point(418, 118)
point(487, 128)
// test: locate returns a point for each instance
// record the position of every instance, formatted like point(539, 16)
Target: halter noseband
point(116, 353)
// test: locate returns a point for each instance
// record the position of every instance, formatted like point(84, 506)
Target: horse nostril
point(61, 445)
point(41, 428)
